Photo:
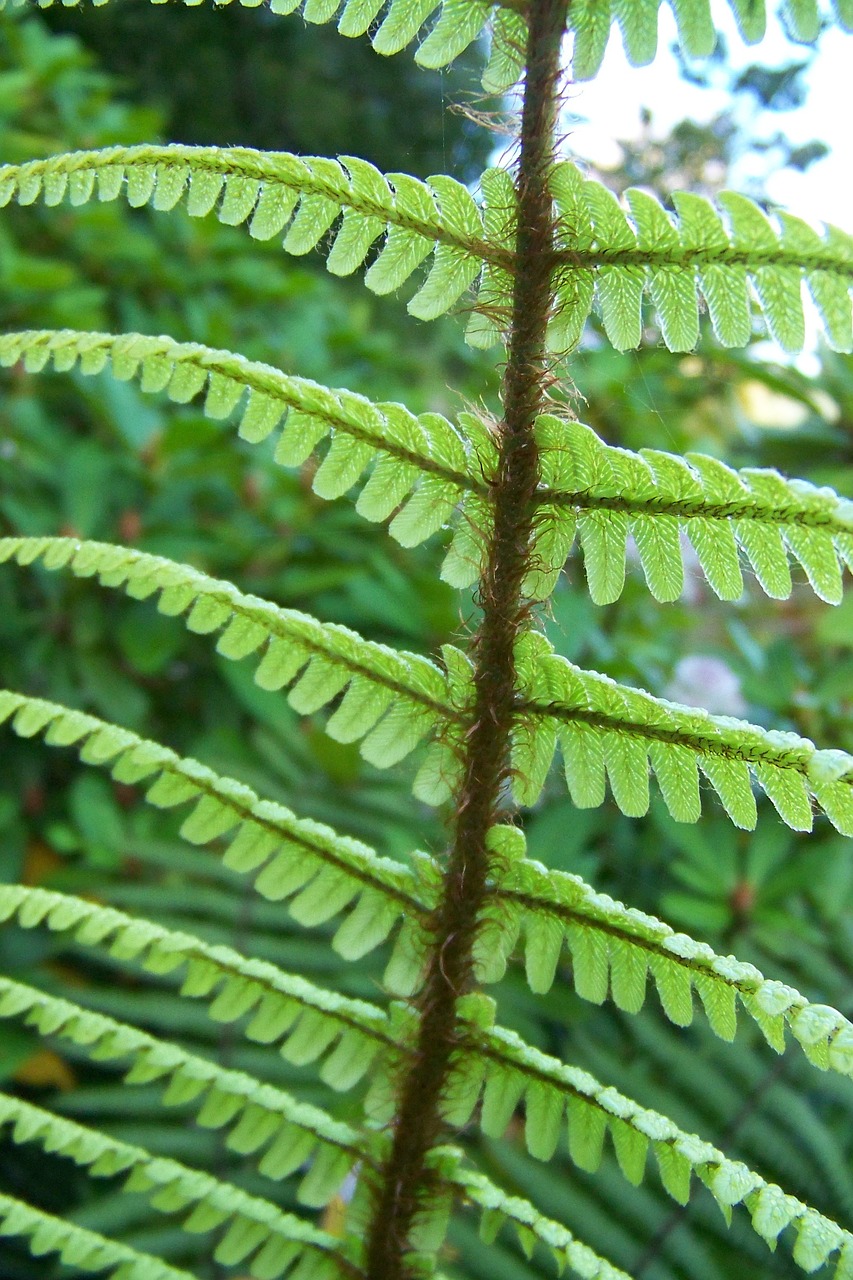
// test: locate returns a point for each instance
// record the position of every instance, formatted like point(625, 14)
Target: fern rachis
point(544, 248)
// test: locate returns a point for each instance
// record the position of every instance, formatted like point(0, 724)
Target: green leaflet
point(602, 725)
point(318, 659)
point(308, 1020)
point(553, 1091)
point(460, 22)
point(274, 191)
point(600, 934)
point(414, 462)
point(498, 1208)
point(622, 257)
point(660, 499)
point(591, 22)
point(290, 854)
point(488, 323)
point(78, 1247)
point(467, 551)
point(258, 1116)
point(641, 249)
point(170, 1185)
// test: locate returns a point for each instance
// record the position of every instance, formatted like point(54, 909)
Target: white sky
point(613, 101)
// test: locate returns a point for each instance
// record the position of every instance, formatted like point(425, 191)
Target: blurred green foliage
point(100, 460)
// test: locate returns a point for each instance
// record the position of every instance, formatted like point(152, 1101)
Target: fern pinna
point(533, 253)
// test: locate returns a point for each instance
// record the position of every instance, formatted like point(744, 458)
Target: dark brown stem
point(404, 1185)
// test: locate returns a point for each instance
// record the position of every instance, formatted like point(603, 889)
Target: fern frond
point(263, 1121)
point(791, 1128)
point(605, 254)
point(393, 25)
point(611, 731)
point(553, 1092)
point(251, 1226)
point(511, 1070)
point(496, 1207)
point(611, 256)
point(254, 1226)
point(79, 1247)
point(174, 1187)
point(592, 22)
point(603, 494)
point(327, 872)
point(318, 659)
point(615, 948)
point(305, 1020)
point(305, 194)
point(423, 454)
point(460, 22)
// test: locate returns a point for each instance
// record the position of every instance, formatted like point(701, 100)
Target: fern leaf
point(327, 872)
point(626, 252)
point(410, 456)
point(497, 1207)
point(489, 320)
point(262, 1120)
point(272, 191)
point(212, 1203)
point(626, 726)
point(460, 22)
point(608, 492)
point(307, 1020)
point(319, 660)
point(79, 1247)
point(269, 1232)
point(554, 1092)
point(557, 909)
point(468, 549)
point(621, 256)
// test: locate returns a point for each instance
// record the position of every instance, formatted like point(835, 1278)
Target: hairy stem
point(404, 1183)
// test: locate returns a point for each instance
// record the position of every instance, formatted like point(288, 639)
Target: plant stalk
point(405, 1184)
